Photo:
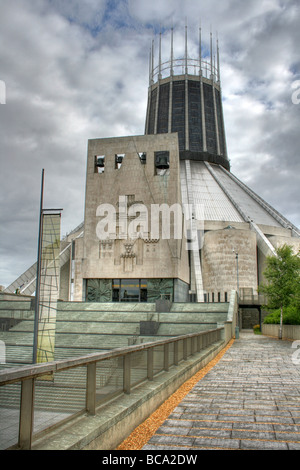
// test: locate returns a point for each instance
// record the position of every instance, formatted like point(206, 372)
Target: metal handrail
point(28, 374)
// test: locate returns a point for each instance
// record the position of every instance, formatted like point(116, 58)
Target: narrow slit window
point(99, 164)
point(119, 157)
point(143, 158)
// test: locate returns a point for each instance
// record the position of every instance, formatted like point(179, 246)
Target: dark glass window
point(210, 119)
point(220, 122)
point(195, 117)
point(130, 290)
point(178, 113)
point(163, 109)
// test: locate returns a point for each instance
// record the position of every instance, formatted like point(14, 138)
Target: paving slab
point(250, 400)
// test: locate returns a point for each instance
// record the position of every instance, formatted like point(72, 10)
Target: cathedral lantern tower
point(185, 97)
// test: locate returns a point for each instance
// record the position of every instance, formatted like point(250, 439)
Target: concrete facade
point(132, 190)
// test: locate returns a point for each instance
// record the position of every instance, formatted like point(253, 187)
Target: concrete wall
point(219, 262)
point(289, 332)
point(145, 257)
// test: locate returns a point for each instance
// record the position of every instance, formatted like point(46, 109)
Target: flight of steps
point(85, 328)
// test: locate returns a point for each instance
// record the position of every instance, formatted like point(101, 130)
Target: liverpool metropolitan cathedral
point(164, 215)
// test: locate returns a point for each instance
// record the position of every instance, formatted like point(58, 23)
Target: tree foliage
point(282, 273)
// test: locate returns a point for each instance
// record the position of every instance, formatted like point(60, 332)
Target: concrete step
point(126, 328)
point(106, 306)
point(200, 307)
point(191, 317)
point(176, 329)
point(15, 305)
point(16, 314)
point(98, 316)
point(16, 338)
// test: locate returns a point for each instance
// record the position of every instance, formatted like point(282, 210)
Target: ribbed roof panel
point(222, 197)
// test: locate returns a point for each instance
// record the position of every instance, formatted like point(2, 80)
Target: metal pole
point(237, 274)
point(38, 274)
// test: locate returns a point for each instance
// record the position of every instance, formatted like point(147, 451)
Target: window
point(130, 290)
point(143, 158)
point(161, 162)
point(119, 157)
point(99, 164)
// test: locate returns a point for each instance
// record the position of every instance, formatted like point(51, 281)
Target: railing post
point(193, 348)
point(91, 388)
point(26, 414)
point(176, 354)
point(150, 362)
point(166, 357)
point(199, 342)
point(185, 349)
point(127, 373)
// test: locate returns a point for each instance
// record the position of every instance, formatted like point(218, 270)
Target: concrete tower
point(185, 97)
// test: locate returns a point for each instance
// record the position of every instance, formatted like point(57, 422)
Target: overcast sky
point(78, 69)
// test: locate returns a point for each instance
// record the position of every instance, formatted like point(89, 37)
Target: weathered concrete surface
point(249, 400)
point(289, 332)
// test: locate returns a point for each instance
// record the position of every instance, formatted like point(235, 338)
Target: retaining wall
point(289, 332)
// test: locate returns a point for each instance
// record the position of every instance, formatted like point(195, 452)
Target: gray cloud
point(76, 70)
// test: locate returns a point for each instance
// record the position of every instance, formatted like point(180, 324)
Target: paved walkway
point(250, 400)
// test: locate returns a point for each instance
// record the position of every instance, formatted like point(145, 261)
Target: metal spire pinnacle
point(211, 54)
point(172, 51)
point(186, 49)
point(159, 75)
point(200, 49)
point(218, 60)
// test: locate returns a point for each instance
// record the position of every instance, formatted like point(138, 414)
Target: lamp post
point(237, 272)
point(238, 295)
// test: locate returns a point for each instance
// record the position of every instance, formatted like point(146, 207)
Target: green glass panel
point(99, 290)
point(159, 288)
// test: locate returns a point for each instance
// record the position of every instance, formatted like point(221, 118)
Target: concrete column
point(187, 136)
point(156, 110)
point(216, 120)
point(170, 106)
